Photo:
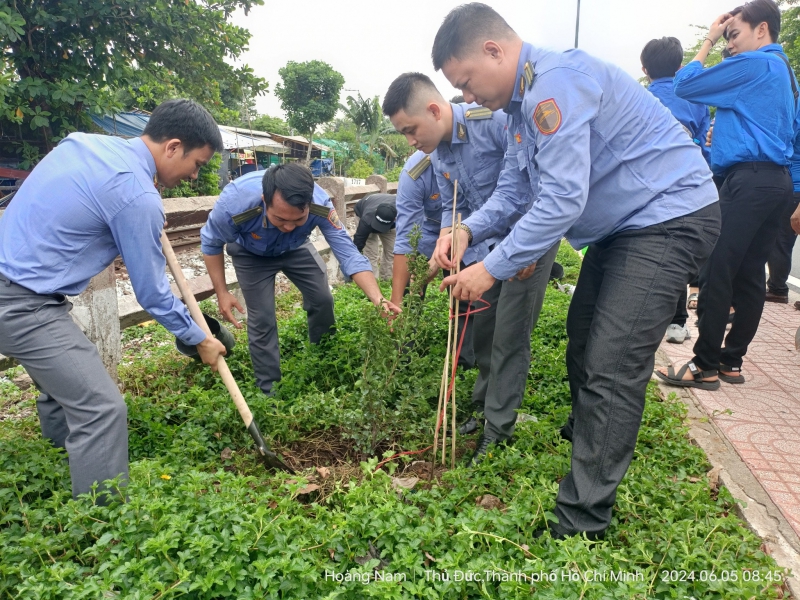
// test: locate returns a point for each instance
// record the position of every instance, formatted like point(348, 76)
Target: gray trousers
point(381, 259)
point(80, 407)
point(502, 343)
point(623, 303)
point(256, 274)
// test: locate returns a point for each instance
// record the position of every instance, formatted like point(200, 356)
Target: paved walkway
point(761, 418)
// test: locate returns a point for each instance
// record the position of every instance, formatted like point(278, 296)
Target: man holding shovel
point(265, 219)
point(92, 198)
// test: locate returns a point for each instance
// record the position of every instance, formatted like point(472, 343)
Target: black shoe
point(483, 446)
point(559, 533)
point(556, 271)
point(467, 427)
point(566, 429)
point(778, 298)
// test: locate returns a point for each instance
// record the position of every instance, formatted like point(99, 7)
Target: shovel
point(270, 458)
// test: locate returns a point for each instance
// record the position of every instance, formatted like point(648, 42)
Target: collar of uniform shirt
point(525, 55)
point(458, 119)
point(143, 152)
point(662, 80)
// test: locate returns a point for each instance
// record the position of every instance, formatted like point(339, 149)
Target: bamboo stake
point(454, 252)
point(451, 330)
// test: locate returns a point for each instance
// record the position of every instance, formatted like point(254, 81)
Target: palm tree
point(371, 125)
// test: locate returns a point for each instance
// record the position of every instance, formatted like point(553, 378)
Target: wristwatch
point(468, 230)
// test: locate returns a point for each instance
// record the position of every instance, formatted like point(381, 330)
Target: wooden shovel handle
point(194, 310)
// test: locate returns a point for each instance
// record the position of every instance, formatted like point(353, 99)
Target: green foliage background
point(61, 61)
point(198, 526)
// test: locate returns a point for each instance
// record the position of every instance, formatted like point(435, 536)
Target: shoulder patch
point(476, 114)
point(247, 215)
point(419, 168)
point(333, 218)
point(547, 116)
point(319, 210)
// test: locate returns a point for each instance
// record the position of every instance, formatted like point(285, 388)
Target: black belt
point(756, 166)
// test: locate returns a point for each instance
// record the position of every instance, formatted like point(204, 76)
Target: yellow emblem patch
point(547, 116)
point(518, 137)
point(435, 196)
point(334, 219)
point(446, 175)
point(254, 235)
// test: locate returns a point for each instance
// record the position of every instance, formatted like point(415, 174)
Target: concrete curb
point(756, 508)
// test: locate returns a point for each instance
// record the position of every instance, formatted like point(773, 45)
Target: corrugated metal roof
point(132, 124)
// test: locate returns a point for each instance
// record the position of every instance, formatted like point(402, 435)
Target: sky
point(372, 42)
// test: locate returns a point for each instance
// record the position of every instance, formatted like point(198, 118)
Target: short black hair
point(462, 27)
point(293, 180)
point(187, 121)
point(457, 99)
point(759, 11)
point(402, 90)
point(662, 58)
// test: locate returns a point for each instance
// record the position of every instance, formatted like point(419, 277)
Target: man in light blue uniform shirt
point(615, 172)
point(90, 199)
point(756, 96)
point(418, 203)
point(265, 218)
point(661, 59)
point(468, 145)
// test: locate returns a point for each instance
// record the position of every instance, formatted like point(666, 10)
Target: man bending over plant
point(265, 219)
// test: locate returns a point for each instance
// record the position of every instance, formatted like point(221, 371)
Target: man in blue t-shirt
point(755, 93)
point(661, 59)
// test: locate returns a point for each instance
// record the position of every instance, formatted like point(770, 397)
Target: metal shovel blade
point(270, 458)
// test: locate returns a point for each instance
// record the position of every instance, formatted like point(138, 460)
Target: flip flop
point(676, 379)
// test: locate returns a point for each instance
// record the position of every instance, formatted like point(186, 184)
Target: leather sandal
point(731, 378)
point(673, 378)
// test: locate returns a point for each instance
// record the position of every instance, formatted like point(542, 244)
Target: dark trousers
point(681, 312)
point(466, 359)
point(626, 295)
point(503, 346)
point(780, 259)
point(256, 274)
point(752, 200)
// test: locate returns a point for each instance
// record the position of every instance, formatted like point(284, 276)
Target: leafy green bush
point(360, 169)
point(394, 174)
point(201, 526)
point(207, 183)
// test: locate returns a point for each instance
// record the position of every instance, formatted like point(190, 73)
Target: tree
point(714, 56)
point(63, 59)
point(269, 124)
point(309, 95)
point(371, 125)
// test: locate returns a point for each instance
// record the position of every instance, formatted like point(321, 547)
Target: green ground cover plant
point(204, 520)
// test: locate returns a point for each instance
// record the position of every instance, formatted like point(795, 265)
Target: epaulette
point(477, 114)
point(419, 168)
point(319, 210)
point(247, 215)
